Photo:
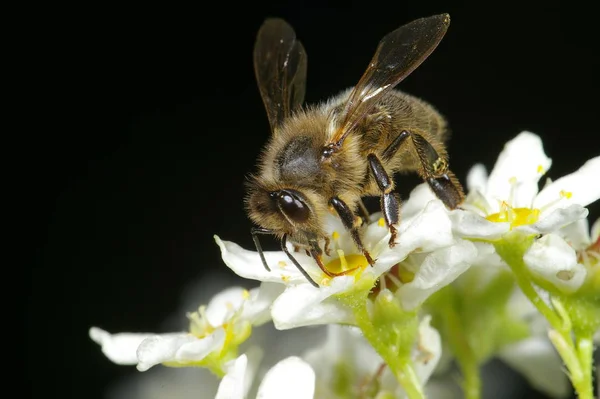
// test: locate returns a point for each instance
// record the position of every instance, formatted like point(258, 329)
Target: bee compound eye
point(293, 207)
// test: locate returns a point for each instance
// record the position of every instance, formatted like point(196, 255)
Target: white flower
point(230, 314)
point(553, 260)
point(290, 378)
point(422, 231)
point(347, 366)
point(509, 200)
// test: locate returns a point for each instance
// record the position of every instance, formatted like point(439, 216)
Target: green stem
point(465, 357)
point(578, 359)
point(406, 376)
point(401, 366)
point(512, 254)
point(585, 351)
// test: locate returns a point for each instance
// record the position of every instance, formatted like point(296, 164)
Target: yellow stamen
point(540, 169)
point(199, 325)
point(346, 263)
point(381, 222)
point(281, 264)
point(515, 216)
point(335, 235)
point(246, 294)
point(566, 194)
point(285, 279)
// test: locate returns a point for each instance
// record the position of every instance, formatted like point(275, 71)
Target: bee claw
point(393, 235)
point(369, 259)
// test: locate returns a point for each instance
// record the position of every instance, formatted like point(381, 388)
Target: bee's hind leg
point(434, 168)
point(390, 203)
point(352, 223)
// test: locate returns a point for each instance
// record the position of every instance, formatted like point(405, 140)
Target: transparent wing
point(398, 54)
point(280, 67)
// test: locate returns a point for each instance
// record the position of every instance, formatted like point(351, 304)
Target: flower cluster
point(513, 273)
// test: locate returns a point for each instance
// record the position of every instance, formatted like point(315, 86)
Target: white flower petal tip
point(438, 269)
point(118, 348)
point(248, 264)
point(428, 351)
point(555, 261)
point(428, 230)
point(223, 305)
point(291, 378)
point(521, 162)
point(477, 178)
point(419, 196)
point(233, 385)
point(577, 188)
point(556, 220)
point(469, 225)
point(180, 348)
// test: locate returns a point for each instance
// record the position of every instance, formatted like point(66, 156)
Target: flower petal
point(438, 269)
point(519, 168)
point(118, 348)
point(428, 351)
point(556, 220)
point(304, 305)
point(470, 225)
point(419, 197)
point(477, 178)
point(257, 308)
point(577, 234)
point(537, 360)
point(428, 230)
point(291, 378)
point(247, 264)
point(223, 305)
point(178, 348)
point(579, 185)
point(552, 259)
point(232, 385)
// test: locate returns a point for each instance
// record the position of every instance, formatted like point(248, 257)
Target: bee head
point(282, 210)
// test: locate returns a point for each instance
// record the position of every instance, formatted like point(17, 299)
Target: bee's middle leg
point(390, 203)
point(352, 223)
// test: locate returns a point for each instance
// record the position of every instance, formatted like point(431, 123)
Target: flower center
point(515, 216)
point(346, 264)
point(199, 325)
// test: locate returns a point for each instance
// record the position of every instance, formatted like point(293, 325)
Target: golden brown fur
point(345, 175)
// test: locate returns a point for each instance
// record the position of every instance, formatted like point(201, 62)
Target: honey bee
point(326, 158)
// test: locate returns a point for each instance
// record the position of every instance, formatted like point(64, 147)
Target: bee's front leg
point(352, 223)
point(390, 203)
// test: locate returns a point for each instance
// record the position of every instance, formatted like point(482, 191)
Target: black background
point(154, 119)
